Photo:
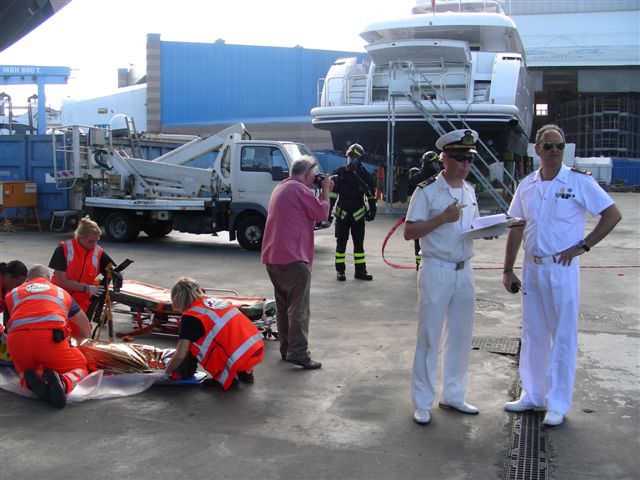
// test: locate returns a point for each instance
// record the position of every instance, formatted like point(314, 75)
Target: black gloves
point(371, 213)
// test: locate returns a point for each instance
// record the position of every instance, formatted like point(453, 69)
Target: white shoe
point(553, 419)
point(422, 417)
point(521, 405)
point(463, 407)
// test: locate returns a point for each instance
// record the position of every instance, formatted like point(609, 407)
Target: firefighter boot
point(361, 272)
point(340, 266)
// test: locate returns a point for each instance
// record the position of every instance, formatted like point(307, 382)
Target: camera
point(319, 178)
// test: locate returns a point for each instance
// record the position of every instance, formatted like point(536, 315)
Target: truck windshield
point(296, 150)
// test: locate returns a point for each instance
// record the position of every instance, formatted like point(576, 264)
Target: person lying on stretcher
point(214, 334)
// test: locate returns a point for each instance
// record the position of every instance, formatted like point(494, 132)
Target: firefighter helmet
point(355, 150)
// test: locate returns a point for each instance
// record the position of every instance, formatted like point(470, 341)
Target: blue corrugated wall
point(219, 83)
point(29, 157)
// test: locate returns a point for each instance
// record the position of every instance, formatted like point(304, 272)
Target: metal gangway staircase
point(405, 82)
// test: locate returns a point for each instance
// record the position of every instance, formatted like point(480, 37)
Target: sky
point(96, 37)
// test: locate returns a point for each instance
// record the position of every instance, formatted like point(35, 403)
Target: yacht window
point(542, 109)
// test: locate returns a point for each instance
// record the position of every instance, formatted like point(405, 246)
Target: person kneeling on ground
point(214, 334)
point(41, 317)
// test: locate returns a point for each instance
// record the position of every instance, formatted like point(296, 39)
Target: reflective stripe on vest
point(59, 299)
point(27, 321)
point(94, 258)
point(219, 323)
point(240, 351)
point(70, 252)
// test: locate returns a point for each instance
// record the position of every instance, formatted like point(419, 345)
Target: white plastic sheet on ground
point(95, 386)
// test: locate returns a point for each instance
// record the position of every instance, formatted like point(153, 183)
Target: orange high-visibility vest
point(82, 266)
point(229, 340)
point(37, 304)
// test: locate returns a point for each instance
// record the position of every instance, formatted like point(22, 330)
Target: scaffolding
point(603, 126)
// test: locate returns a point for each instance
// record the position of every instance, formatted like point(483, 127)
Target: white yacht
point(460, 65)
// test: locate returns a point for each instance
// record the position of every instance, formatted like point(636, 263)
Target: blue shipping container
point(626, 170)
point(29, 157)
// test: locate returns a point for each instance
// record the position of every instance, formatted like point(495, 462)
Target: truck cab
point(253, 168)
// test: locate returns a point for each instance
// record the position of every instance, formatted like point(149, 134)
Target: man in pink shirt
point(287, 251)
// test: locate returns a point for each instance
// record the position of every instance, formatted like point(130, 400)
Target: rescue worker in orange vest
point(78, 262)
point(214, 334)
point(42, 316)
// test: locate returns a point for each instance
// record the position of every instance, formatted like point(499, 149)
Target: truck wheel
point(122, 227)
point(158, 229)
point(250, 232)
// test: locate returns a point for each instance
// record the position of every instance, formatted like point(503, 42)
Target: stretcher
point(152, 312)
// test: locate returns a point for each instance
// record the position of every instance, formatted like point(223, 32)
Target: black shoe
point(36, 385)
point(341, 277)
point(363, 276)
point(307, 364)
point(57, 391)
point(246, 377)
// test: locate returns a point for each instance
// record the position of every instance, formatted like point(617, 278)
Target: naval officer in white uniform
point(441, 208)
point(553, 201)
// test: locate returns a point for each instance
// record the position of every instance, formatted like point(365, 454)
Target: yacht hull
point(500, 126)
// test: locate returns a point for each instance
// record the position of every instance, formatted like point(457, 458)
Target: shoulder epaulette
point(579, 170)
point(428, 181)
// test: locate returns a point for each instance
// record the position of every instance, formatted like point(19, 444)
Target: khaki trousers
point(291, 283)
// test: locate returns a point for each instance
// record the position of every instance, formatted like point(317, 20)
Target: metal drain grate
point(527, 459)
point(502, 345)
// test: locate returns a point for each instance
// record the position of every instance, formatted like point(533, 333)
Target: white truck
point(126, 195)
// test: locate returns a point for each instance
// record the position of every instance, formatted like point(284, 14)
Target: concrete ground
point(352, 418)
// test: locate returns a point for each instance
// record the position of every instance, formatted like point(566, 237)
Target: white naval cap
point(463, 139)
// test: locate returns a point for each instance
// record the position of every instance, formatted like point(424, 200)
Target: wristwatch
point(583, 245)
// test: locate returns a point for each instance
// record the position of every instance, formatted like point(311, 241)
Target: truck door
point(253, 182)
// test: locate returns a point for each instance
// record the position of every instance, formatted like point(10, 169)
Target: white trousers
point(550, 308)
point(446, 297)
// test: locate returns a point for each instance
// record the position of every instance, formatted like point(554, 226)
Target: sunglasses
point(461, 158)
point(549, 146)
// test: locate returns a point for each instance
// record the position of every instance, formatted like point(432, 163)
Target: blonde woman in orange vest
point(78, 262)
point(41, 317)
point(214, 334)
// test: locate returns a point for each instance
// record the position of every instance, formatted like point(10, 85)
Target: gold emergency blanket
point(125, 357)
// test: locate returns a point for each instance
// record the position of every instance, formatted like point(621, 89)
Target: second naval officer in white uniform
point(553, 201)
point(440, 210)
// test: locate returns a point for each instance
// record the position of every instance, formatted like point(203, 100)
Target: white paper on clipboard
point(490, 226)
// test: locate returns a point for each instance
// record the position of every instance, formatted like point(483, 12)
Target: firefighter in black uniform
point(353, 189)
point(430, 167)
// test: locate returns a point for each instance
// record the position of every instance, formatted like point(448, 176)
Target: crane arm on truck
point(201, 146)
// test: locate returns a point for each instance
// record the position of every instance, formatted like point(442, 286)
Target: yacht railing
point(356, 89)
